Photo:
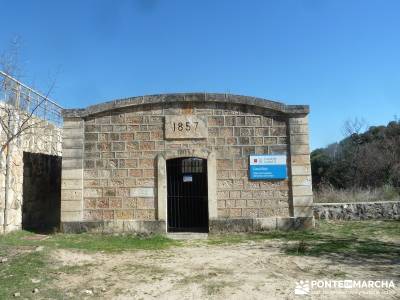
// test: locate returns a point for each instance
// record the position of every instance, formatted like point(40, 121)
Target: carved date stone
point(185, 127)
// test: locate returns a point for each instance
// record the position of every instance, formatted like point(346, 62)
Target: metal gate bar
point(187, 194)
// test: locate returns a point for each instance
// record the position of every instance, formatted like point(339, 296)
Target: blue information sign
point(268, 167)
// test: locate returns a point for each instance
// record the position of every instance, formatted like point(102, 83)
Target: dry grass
point(328, 194)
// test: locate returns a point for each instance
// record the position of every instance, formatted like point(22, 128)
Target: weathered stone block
point(299, 139)
point(246, 131)
point(144, 214)
point(71, 205)
point(302, 190)
point(230, 225)
point(301, 170)
point(71, 194)
point(300, 159)
point(302, 200)
point(298, 129)
point(72, 173)
point(71, 183)
point(118, 146)
point(264, 224)
point(216, 121)
point(142, 192)
point(301, 180)
point(72, 133)
point(92, 215)
point(146, 163)
point(142, 136)
point(72, 143)
point(73, 153)
point(72, 124)
point(145, 203)
point(299, 149)
point(72, 163)
point(123, 214)
point(278, 131)
point(115, 202)
point(89, 203)
point(71, 216)
point(303, 211)
point(249, 212)
point(92, 192)
point(298, 121)
point(147, 145)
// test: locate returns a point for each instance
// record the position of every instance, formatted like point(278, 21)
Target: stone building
point(180, 162)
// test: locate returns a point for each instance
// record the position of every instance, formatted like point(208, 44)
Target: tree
point(364, 158)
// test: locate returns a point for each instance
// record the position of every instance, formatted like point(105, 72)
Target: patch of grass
point(73, 269)
point(90, 242)
point(236, 238)
point(198, 279)
point(111, 243)
point(346, 238)
point(214, 287)
point(24, 263)
point(16, 276)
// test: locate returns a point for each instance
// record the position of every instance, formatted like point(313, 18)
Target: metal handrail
point(30, 89)
point(46, 108)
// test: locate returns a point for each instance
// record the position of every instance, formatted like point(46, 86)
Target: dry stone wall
point(357, 211)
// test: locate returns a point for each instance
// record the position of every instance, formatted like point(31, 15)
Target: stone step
point(187, 235)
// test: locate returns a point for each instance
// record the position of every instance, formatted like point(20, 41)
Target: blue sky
point(340, 57)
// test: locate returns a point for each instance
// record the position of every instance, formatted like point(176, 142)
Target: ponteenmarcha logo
point(302, 287)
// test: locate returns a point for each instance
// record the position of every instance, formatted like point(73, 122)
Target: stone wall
point(357, 211)
point(42, 137)
point(112, 157)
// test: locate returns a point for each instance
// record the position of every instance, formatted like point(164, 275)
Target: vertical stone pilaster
point(300, 167)
point(72, 171)
point(161, 188)
point(212, 186)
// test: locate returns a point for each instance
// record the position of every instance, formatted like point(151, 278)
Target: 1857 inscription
point(185, 127)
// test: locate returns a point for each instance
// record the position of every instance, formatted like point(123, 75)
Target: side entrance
point(187, 208)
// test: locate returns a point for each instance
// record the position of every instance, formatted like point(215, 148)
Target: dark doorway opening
point(187, 195)
point(41, 205)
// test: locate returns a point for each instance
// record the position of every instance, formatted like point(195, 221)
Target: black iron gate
point(187, 194)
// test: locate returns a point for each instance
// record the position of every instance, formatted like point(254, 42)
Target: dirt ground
point(250, 270)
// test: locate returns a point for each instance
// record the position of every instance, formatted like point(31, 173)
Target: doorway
point(41, 204)
point(187, 189)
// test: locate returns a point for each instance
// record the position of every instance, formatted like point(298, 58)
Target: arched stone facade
point(114, 158)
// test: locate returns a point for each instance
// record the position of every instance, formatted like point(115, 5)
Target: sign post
point(270, 167)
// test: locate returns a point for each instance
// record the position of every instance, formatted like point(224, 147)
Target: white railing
point(27, 99)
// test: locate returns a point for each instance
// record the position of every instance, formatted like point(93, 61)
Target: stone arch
point(122, 104)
